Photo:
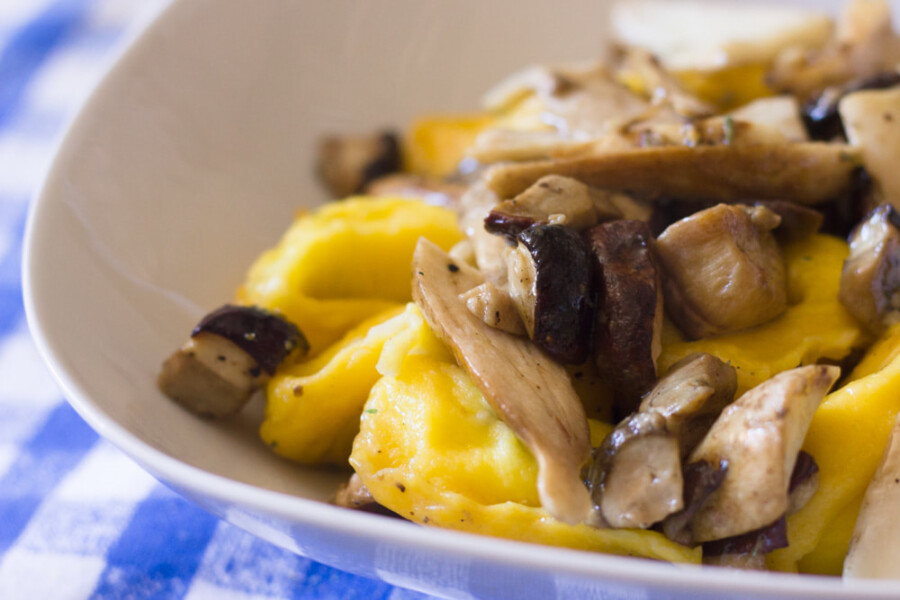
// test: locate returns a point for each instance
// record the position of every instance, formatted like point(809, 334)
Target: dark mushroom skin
point(820, 113)
point(701, 479)
point(691, 396)
point(804, 482)
point(550, 278)
point(346, 164)
point(264, 335)
point(747, 550)
point(635, 476)
point(628, 324)
point(870, 278)
point(231, 353)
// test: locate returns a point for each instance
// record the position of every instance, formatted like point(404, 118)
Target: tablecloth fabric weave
point(77, 518)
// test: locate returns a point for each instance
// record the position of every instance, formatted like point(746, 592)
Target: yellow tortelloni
point(431, 449)
point(345, 262)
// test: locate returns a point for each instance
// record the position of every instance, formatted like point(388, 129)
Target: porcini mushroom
point(346, 164)
point(231, 353)
point(759, 436)
point(723, 271)
point(636, 478)
point(870, 278)
point(691, 396)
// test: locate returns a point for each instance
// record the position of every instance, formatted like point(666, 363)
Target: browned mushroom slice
point(550, 281)
point(405, 185)
point(628, 325)
point(495, 307)
point(724, 272)
point(347, 163)
point(797, 221)
point(807, 173)
point(875, 545)
point(870, 279)
point(232, 352)
point(552, 199)
point(748, 550)
point(759, 435)
point(690, 397)
point(530, 392)
point(636, 476)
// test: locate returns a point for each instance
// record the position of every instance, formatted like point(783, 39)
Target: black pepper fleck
point(400, 487)
point(298, 390)
point(220, 358)
point(255, 371)
point(452, 268)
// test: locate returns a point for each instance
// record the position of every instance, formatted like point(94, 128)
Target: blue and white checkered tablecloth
point(77, 518)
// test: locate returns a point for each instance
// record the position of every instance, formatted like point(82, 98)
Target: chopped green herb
point(371, 411)
point(729, 129)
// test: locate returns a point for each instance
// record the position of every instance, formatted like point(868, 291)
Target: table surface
point(78, 519)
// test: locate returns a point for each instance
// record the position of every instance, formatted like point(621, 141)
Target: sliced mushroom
point(635, 477)
point(870, 280)
point(871, 119)
point(629, 317)
point(347, 164)
point(875, 545)
point(405, 185)
point(724, 271)
point(552, 199)
point(232, 352)
point(807, 173)
point(530, 392)
point(550, 281)
point(747, 550)
point(691, 396)
point(820, 113)
point(495, 307)
point(759, 435)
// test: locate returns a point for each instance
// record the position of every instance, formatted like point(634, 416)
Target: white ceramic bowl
point(188, 160)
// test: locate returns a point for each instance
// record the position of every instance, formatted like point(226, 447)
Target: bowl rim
point(595, 566)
